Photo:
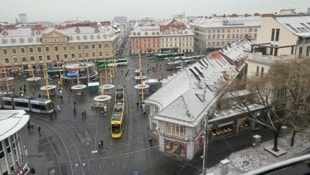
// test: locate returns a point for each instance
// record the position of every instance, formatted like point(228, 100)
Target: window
point(32, 58)
point(6, 60)
point(48, 57)
point(300, 51)
point(257, 71)
point(272, 34)
point(13, 50)
point(72, 55)
point(262, 72)
point(175, 130)
point(24, 59)
point(57, 57)
point(39, 49)
point(94, 54)
point(15, 59)
point(93, 46)
point(5, 51)
point(47, 49)
point(56, 48)
point(80, 55)
point(79, 47)
point(86, 46)
point(99, 45)
point(308, 51)
point(22, 50)
point(65, 56)
point(40, 58)
point(30, 49)
point(277, 34)
point(64, 48)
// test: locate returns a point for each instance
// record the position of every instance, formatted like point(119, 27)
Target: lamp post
point(205, 144)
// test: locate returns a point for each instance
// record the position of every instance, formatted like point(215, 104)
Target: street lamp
point(205, 144)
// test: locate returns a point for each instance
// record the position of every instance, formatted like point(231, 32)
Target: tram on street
point(164, 56)
point(118, 115)
point(37, 105)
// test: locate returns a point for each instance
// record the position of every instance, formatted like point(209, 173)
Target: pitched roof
point(191, 92)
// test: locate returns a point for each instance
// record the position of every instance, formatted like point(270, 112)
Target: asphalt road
point(66, 144)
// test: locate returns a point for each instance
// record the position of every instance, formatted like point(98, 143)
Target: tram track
point(60, 133)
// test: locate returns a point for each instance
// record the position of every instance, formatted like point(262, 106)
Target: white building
point(284, 35)
point(13, 155)
point(23, 18)
point(212, 33)
point(178, 109)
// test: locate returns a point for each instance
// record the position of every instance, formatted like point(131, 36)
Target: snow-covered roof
point(227, 22)
point(298, 25)
point(141, 31)
point(27, 36)
point(11, 121)
point(190, 93)
point(186, 32)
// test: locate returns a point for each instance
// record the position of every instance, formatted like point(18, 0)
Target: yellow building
point(39, 45)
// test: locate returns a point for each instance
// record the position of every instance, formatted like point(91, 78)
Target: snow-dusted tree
point(284, 91)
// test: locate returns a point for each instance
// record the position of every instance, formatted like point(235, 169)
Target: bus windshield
point(116, 128)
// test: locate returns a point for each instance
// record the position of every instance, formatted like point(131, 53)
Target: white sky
point(99, 10)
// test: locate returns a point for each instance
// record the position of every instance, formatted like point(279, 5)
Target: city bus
point(55, 72)
point(37, 105)
point(118, 115)
point(160, 57)
point(102, 64)
point(119, 62)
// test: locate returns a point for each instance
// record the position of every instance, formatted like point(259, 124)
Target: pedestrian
point(58, 108)
point(29, 127)
point(61, 98)
point(151, 141)
point(82, 114)
point(137, 105)
point(39, 129)
point(121, 72)
point(74, 112)
point(39, 95)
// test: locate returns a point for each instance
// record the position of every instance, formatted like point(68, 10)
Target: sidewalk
point(255, 157)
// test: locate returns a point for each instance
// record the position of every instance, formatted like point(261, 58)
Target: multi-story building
point(287, 34)
point(13, 154)
point(180, 108)
point(176, 37)
point(171, 37)
point(23, 18)
point(145, 39)
point(212, 33)
point(39, 45)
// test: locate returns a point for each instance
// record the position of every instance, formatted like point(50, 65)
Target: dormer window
point(30, 40)
point(98, 36)
point(91, 36)
point(85, 37)
point(146, 33)
point(78, 37)
point(21, 40)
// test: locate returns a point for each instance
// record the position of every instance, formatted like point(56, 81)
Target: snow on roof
point(223, 22)
point(25, 36)
point(11, 121)
point(298, 25)
point(189, 94)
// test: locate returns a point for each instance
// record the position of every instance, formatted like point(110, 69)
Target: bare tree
point(285, 94)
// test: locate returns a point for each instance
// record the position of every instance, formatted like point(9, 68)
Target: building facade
point(40, 45)
point(13, 154)
point(284, 35)
point(212, 33)
point(176, 37)
point(171, 37)
point(177, 119)
point(145, 39)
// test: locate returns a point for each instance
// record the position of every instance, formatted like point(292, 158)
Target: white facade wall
point(183, 43)
point(286, 37)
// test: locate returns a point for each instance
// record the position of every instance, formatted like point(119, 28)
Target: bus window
point(116, 128)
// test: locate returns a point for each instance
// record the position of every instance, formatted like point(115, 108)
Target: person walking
point(39, 130)
point(58, 108)
point(137, 105)
point(74, 112)
point(151, 141)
